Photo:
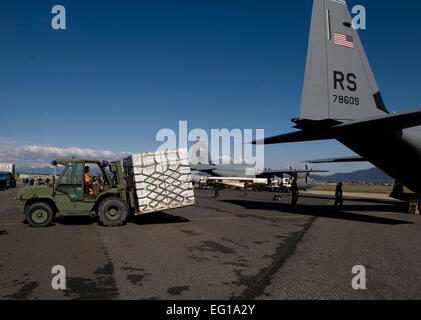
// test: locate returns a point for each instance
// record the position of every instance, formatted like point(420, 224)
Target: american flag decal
point(344, 40)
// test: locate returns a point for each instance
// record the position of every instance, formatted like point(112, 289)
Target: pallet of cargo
point(160, 180)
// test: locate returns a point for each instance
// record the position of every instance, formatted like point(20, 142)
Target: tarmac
point(231, 247)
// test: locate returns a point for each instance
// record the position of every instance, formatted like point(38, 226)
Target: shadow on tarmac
point(325, 211)
point(356, 199)
point(157, 218)
point(75, 221)
point(151, 218)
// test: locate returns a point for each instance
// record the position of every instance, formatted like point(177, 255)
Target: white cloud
point(41, 156)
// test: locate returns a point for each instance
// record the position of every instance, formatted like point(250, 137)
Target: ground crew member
point(216, 191)
point(294, 191)
point(88, 184)
point(339, 195)
point(87, 180)
point(245, 190)
point(398, 189)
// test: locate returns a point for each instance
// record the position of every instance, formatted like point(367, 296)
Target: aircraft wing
point(202, 167)
point(338, 160)
point(271, 174)
point(298, 136)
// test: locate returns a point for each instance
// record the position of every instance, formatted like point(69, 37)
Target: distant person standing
point(216, 191)
point(245, 190)
point(339, 200)
point(294, 191)
point(398, 189)
point(26, 181)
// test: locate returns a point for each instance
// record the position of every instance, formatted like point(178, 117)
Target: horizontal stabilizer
point(338, 160)
point(388, 122)
point(299, 136)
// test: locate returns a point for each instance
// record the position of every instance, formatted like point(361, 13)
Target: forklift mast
point(126, 194)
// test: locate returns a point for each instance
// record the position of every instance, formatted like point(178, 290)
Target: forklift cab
point(72, 181)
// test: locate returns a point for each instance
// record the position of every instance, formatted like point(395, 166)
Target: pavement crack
point(102, 287)
point(256, 285)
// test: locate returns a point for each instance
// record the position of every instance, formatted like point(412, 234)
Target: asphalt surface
point(226, 248)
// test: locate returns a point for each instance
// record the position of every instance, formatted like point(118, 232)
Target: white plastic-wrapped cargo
point(160, 180)
point(7, 167)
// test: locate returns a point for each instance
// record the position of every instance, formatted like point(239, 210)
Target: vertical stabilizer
point(199, 153)
point(339, 83)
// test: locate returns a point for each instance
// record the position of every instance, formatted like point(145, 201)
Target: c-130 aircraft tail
point(339, 83)
point(341, 100)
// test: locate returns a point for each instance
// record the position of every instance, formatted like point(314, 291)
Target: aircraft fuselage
point(397, 153)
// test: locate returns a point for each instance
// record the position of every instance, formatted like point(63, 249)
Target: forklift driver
point(88, 183)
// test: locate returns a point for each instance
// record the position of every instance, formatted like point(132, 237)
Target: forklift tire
point(112, 212)
point(39, 215)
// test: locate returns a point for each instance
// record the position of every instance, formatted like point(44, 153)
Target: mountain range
point(44, 170)
point(373, 175)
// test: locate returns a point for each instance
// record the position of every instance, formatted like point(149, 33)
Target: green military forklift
point(70, 194)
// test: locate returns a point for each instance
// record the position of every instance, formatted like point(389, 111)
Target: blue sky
point(125, 69)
